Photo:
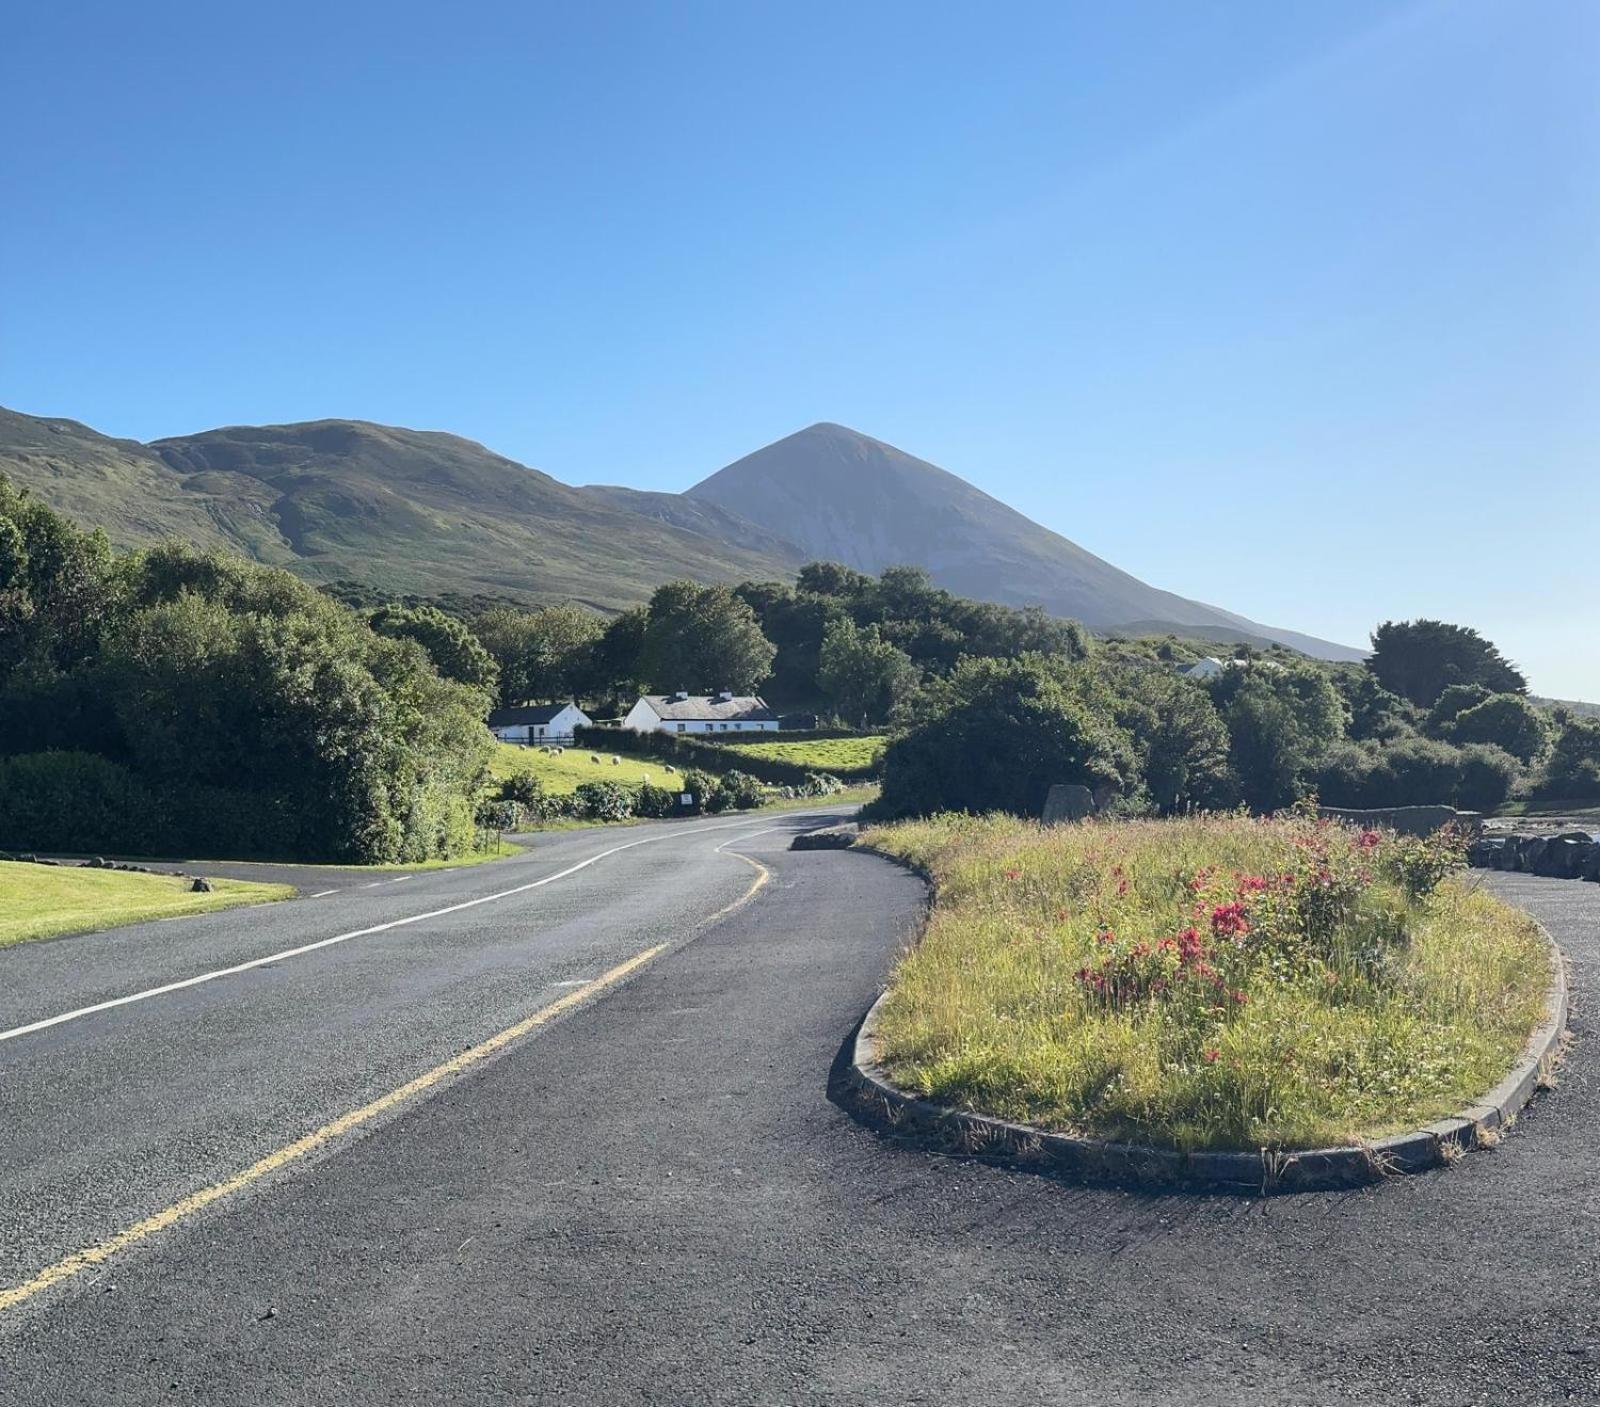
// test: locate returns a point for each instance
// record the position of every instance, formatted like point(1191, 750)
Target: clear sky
point(1291, 307)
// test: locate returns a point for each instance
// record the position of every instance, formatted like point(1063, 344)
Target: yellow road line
point(93, 1255)
point(80, 1261)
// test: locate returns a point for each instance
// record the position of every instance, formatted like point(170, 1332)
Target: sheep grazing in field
point(615, 760)
point(672, 769)
point(594, 758)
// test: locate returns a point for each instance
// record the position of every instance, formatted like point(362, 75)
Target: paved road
point(653, 1201)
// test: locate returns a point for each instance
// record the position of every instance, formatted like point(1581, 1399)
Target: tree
point(1507, 721)
point(864, 675)
point(1572, 771)
point(1454, 701)
point(616, 670)
point(1006, 730)
point(1186, 751)
point(1371, 710)
point(1420, 659)
point(455, 651)
point(705, 638)
point(542, 654)
point(1280, 722)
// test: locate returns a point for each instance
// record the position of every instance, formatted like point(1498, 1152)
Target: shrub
point(74, 801)
point(1007, 730)
point(702, 786)
point(1572, 771)
point(742, 791)
point(1507, 721)
point(651, 800)
point(1484, 777)
point(523, 787)
point(603, 801)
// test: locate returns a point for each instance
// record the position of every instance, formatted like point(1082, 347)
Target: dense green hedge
point(685, 750)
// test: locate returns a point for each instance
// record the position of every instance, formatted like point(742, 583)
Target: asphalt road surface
point(649, 1198)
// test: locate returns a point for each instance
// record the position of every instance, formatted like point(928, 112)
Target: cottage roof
point(711, 708)
point(526, 713)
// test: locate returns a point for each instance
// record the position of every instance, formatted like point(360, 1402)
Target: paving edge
point(872, 1097)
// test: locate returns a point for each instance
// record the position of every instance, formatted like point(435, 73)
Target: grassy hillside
point(562, 774)
point(841, 756)
point(403, 510)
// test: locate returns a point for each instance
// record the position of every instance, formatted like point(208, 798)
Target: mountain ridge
point(425, 511)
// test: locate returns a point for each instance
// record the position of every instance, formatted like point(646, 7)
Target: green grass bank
point(46, 901)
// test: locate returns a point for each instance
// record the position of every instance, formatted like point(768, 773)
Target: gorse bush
point(1209, 982)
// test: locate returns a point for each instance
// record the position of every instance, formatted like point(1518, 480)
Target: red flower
point(1211, 1053)
point(1228, 920)
point(1122, 887)
point(1240, 999)
point(1370, 839)
point(1013, 874)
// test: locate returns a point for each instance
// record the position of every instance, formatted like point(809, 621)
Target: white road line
point(402, 879)
point(305, 948)
point(323, 893)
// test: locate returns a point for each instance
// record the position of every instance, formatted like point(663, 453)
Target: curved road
point(647, 1196)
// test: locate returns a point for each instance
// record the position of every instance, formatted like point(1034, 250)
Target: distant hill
point(844, 496)
point(421, 512)
point(404, 510)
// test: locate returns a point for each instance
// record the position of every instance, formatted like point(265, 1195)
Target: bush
point(1007, 731)
point(1485, 777)
point(1572, 772)
point(76, 802)
point(702, 786)
point(743, 792)
point(654, 801)
point(603, 801)
point(523, 787)
point(1507, 721)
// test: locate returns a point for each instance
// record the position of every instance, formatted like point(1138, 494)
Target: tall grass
point(1204, 983)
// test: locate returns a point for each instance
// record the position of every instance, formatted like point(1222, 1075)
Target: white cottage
point(701, 713)
point(1208, 668)
point(533, 724)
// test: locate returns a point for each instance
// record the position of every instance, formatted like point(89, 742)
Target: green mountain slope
point(403, 510)
point(413, 511)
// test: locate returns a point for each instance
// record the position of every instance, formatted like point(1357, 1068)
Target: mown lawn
point(838, 755)
point(1212, 982)
point(43, 901)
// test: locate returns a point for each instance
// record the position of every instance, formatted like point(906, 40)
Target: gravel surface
point(653, 1201)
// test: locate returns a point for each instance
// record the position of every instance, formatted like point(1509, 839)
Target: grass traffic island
point(46, 901)
point(1209, 985)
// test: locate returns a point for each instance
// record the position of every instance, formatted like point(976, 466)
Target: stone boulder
point(1068, 801)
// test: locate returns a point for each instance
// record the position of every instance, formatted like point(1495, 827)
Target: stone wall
point(1570, 854)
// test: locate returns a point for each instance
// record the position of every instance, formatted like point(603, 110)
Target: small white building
point(1208, 668)
point(532, 724)
point(701, 713)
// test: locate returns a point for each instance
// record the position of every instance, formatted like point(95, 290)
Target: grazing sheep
point(594, 759)
point(615, 760)
point(672, 769)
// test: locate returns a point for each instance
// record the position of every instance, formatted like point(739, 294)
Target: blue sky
point(1289, 307)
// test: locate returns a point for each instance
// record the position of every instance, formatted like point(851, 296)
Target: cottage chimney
point(724, 695)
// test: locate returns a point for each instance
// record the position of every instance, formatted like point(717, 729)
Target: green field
point(563, 774)
point(43, 901)
point(1214, 982)
point(836, 755)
